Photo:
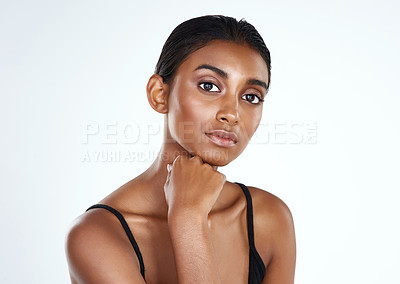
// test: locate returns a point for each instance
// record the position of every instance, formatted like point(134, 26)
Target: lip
point(222, 138)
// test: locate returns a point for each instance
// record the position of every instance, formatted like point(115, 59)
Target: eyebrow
point(258, 83)
point(224, 75)
point(220, 72)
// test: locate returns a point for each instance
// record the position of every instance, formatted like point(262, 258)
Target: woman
point(180, 221)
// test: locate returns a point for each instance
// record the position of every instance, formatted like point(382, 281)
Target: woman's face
point(215, 101)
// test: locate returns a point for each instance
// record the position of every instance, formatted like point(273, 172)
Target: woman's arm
point(96, 253)
point(191, 190)
point(193, 249)
point(274, 237)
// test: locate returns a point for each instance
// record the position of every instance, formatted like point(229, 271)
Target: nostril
point(228, 118)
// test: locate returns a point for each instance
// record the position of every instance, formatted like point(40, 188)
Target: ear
point(157, 93)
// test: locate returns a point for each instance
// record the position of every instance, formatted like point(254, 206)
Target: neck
point(156, 174)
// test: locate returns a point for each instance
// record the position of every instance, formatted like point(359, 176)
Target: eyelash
point(208, 83)
point(260, 100)
point(202, 86)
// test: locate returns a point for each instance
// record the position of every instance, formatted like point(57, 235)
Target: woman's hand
point(192, 186)
point(191, 190)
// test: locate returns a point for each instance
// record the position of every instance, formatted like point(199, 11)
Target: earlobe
point(157, 93)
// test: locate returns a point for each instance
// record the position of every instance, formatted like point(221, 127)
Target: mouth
point(222, 138)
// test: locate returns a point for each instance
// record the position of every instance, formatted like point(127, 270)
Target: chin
point(216, 158)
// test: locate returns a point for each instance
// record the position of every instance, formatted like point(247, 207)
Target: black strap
point(250, 226)
point(127, 231)
point(256, 264)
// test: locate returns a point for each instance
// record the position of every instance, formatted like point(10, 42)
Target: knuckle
point(207, 166)
point(196, 159)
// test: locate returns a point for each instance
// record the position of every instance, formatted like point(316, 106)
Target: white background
point(335, 65)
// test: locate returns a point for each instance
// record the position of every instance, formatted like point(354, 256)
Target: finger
point(169, 167)
point(167, 179)
point(180, 158)
point(197, 158)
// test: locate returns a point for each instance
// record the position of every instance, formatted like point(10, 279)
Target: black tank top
point(256, 264)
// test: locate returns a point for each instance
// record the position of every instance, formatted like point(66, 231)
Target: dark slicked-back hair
point(196, 33)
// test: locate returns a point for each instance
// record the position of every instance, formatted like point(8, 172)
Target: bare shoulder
point(98, 251)
point(269, 208)
point(274, 236)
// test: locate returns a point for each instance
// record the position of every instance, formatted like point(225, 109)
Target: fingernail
point(168, 167)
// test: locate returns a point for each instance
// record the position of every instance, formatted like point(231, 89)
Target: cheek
point(193, 108)
point(188, 114)
point(251, 124)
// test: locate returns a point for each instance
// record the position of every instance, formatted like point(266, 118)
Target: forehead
point(230, 57)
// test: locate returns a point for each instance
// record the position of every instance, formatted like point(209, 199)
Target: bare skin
point(189, 222)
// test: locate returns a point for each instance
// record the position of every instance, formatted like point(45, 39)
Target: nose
point(229, 112)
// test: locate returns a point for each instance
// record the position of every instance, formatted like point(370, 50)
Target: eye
point(209, 87)
point(252, 98)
